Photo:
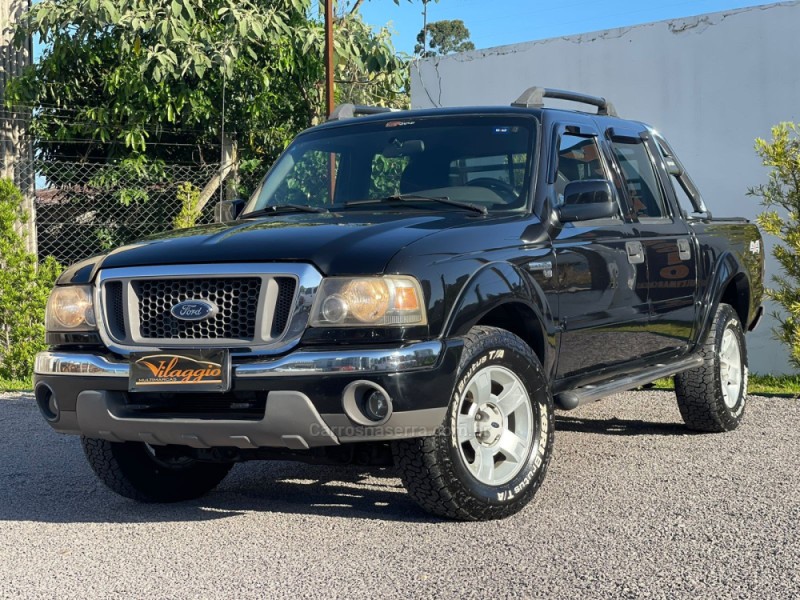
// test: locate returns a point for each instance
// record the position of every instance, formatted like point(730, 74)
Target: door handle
point(635, 252)
point(684, 249)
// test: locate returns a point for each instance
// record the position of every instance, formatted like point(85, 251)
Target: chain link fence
point(83, 209)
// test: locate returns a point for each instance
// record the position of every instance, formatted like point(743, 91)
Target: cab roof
point(531, 102)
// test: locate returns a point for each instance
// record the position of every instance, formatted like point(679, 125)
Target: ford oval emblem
point(193, 310)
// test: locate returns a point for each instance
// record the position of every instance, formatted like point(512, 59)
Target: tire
point(149, 474)
point(489, 457)
point(712, 397)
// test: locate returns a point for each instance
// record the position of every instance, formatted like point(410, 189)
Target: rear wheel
point(712, 396)
point(489, 457)
point(152, 473)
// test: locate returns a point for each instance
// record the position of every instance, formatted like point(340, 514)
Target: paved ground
point(633, 506)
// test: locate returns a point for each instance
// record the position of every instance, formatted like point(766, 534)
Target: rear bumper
point(303, 394)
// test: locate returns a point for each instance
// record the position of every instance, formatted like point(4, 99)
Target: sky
point(500, 22)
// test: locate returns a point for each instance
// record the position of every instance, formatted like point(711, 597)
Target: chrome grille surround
point(262, 334)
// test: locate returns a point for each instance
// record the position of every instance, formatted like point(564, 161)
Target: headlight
point(394, 300)
point(70, 308)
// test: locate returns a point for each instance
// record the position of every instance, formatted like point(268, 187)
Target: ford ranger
point(418, 289)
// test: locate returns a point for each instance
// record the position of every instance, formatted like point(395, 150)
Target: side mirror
point(587, 200)
point(228, 210)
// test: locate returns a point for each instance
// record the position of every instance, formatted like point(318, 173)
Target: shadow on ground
point(619, 426)
point(45, 478)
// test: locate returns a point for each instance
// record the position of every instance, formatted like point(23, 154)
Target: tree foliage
point(189, 198)
point(781, 197)
point(127, 78)
point(444, 37)
point(24, 288)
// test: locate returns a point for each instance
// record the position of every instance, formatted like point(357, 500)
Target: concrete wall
point(711, 84)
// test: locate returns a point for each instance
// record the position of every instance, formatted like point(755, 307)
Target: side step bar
point(572, 399)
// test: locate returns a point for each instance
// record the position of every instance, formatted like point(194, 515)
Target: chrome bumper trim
point(414, 357)
point(82, 365)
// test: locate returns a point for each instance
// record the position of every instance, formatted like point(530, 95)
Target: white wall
point(711, 84)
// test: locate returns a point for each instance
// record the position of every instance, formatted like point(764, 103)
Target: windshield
point(484, 161)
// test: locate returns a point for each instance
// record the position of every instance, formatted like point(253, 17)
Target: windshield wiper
point(284, 208)
point(414, 197)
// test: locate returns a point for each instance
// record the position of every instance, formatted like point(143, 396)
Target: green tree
point(782, 191)
point(122, 79)
point(24, 288)
point(444, 37)
point(189, 197)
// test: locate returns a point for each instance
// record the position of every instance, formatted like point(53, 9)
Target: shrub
point(189, 197)
point(24, 288)
point(782, 191)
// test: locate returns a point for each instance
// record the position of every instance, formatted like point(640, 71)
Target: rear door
point(601, 270)
point(668, 243)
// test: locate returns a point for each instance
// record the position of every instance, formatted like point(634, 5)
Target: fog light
point(376, 406)
point(366, 403)
point(46, 400)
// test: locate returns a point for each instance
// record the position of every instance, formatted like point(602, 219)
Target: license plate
point(180, 371)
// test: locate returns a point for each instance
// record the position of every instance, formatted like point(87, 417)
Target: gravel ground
point(633, 506)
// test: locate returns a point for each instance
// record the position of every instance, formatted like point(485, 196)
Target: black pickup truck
point(415, 288)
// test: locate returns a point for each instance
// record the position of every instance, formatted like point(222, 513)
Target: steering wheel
point(501, 188)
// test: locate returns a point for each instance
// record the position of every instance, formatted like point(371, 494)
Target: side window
point(681, 184)
point(309, 180)
point(640, 178)
point(578, 159)
point(683, 198)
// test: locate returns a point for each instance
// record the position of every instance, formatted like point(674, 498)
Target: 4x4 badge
point(193, 310)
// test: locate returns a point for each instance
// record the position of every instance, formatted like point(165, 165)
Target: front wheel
point(151, 473)
point(489, 457)
point(712, 396)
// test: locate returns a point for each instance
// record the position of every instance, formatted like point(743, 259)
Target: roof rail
point(534, 97)
point(348, 111)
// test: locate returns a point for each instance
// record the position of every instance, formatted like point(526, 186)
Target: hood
point(336, 243)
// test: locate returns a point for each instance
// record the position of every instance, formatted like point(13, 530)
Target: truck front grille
point(236, 299)
point(253, 309)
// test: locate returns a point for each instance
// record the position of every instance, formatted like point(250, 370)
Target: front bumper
point(303, 398)
point(413, 357)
